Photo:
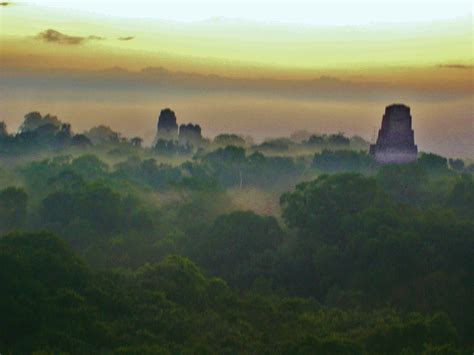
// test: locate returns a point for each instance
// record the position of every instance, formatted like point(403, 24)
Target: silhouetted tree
point(433, 163)
point(3, 130)
point(456, 164)
point(81, 140)
point(103, 135)
point(136, 141)
point(13, 205)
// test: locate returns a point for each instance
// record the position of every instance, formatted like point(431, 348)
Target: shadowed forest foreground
point(298, 245)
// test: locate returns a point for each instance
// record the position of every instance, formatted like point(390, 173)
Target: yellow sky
point(228, 47)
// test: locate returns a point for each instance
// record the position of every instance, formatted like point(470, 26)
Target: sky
point(264, 68)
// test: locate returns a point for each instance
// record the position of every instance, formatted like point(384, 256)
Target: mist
point(444, 127)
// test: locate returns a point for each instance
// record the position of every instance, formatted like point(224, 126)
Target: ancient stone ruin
point(168, 130)
point(167, 126)
point(395, 142)
point(189, 133)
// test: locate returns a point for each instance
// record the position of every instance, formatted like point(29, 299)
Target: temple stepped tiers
point(167, 126)
point(395, 142)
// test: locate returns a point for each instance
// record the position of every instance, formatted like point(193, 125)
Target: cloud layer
point(455, 66)
point(53, 36)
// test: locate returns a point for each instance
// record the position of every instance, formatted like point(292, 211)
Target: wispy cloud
point(53, 36)
point(126, 38)
point(455, 66)
point(97, 38)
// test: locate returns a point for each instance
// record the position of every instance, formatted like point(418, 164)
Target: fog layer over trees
point(298, 245)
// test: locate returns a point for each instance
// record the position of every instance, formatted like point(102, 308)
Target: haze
point(254, 68)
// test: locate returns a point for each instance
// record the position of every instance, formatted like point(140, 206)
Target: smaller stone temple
point(167, 126)
point(189, 134)
point(395, 141)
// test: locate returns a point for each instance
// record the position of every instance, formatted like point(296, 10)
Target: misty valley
point(305, 244)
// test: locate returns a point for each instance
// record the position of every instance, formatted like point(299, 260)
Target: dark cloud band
point(455, 66)
point(53, 36)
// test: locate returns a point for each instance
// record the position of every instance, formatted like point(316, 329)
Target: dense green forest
point(297, 245)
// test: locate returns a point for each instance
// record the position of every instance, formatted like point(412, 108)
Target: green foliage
point(333, 140)
point(342, 161)
point(229, 139)
point(373, 264)
point(94, 203)
point(276, 145)
point(13, 208)
point(230, 154)
point(412, 335)
point(170, 148)
point(414, 259)
point(92, 214)
point(404, 183)
point(37, 174)
point(158, 176)
point(89, 166)
point(149, 173)
point(433, 163)
point(102, 135)
point(42, 302)
point(461, 198)
point(456, 164)
point(179, 279)
point(327, 206)
point(34, 120)
point(232, 167)
point(234, 247)
point(171, 307)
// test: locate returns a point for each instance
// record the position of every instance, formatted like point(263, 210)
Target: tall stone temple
point(167, 126)
point(395, 141)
